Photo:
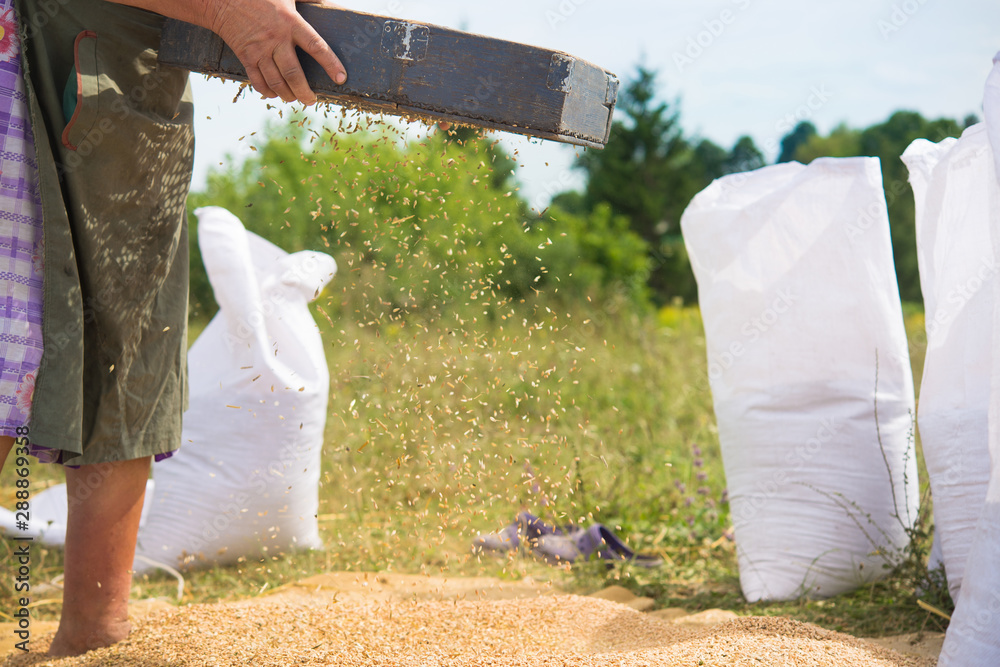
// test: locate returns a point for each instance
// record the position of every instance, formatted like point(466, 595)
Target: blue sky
point(737, 66)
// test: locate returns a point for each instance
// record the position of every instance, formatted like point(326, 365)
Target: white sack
point(49, 510)
point(799, 297)
point(247, 475)
point(973, 636)
point(951, 187)
point(47, 522)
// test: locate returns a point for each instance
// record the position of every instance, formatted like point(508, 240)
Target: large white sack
point(973, 636)
point(799, 299)
point(951, 188)
point(49, 511)
point(247, 475)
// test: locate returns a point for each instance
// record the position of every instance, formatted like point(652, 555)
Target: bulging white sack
point(247, 475)
point(801, 312)
point(974, 633)
point(951, 187)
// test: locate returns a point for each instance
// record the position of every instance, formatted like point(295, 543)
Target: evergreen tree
point(639, 172)
point(648, 173)
point(790, 142)
point(745, 156)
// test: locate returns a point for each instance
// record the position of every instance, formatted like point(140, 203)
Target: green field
point(487, 359)
point(445, 426)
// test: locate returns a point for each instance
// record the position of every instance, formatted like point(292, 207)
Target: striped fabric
point(20, 238)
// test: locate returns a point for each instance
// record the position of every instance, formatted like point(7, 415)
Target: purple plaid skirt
point(20, 238)
point(20, 246)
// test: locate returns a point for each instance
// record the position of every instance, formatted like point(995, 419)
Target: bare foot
point(76, 639)
point(104, 503)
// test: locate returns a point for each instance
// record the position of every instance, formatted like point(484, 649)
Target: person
point(107, 160)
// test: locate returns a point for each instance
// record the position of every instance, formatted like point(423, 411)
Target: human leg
point(102, 527)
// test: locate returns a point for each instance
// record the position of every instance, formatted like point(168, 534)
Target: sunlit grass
point(443, 428)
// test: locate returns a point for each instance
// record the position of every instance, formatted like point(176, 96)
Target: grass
point(444, 426)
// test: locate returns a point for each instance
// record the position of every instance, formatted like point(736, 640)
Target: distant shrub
point(430, 223)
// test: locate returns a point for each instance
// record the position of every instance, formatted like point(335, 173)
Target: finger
point(275, 80)
point(258, 83)
point(310, 41)
point(292, 75)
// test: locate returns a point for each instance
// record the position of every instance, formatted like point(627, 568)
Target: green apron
point(114, 182)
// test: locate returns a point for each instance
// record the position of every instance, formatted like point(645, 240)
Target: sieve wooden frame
point(412, 69)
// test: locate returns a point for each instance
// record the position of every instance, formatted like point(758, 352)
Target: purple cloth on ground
point(563, 544)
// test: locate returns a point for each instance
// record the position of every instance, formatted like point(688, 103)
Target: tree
point(745, 156)
point(790, 142)
point(649, 172)
point(639, 172)
point(887, 141)
point(502, 165)
point(429, 225)
point(843, 141)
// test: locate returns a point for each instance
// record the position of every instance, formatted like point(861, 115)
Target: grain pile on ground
point(320, 627)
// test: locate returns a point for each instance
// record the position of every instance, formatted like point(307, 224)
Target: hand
point(263, 34)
